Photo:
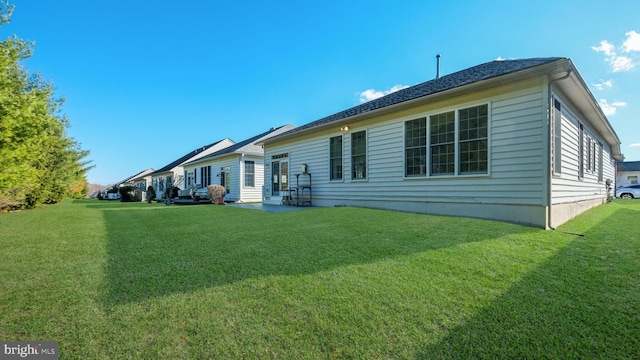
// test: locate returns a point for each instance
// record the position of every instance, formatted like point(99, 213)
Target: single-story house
point(172, 174)
point(135, 180)
point(522, 141)
point(141, 180)
point(239, 168)
point(628, 172)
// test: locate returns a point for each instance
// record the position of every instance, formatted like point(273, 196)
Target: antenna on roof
point(438, 66)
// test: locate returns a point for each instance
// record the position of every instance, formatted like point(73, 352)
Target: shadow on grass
point(183, 249)
point(582, 303)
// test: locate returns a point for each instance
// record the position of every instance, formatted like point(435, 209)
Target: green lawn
point(121, 280)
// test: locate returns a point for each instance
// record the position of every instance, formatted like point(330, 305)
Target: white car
point(629, 191)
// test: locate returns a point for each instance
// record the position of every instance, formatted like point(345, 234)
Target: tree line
point(39, 162)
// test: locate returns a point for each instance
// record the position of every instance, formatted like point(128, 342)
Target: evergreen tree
point(39, 162)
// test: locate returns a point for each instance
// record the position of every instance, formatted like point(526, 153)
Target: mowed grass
point(111, 280)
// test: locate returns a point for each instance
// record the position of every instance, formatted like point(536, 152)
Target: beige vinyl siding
point(569, 186)
point(516, 175)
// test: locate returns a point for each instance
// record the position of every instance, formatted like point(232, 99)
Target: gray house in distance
point(628, 172)
point(522, 141)
point(172, 174)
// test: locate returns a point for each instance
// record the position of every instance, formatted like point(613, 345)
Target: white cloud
point(604, 84)
point(610, 109)
point(635, 145)
point(372, 94)
point(620, 63)
point(604, 47)
point(632, 43)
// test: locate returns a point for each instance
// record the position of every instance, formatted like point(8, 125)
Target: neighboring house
point(522, 141)
point(238, 167)
point(172, 174)
point(628, 172)
point(141, 181)
point(134, 180)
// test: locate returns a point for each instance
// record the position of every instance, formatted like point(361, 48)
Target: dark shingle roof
point(184, 158)
point(468, 76)
point(629, 166)
point(248, 143)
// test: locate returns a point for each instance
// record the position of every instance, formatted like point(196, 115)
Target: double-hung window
point(449, 143)
point(442, 139)
point(359, 155)
point(557, 137)
point(581, 151)
point(588, 162)
point(593, 155)
point(600, 159)
point(335, 157)
point(249, 173)
point(415, 138)
point(473, 138)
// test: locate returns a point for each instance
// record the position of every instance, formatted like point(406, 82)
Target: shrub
point(151, 194)
point(216, 193)
point(172, 192)
point(130, 193)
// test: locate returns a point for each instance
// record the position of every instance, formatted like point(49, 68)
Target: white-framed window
point(249, 173)
point(335, 158)
point(632, 179)
point(359, 155)
point(588, 161)
point(593, 155)
point(415, 147)
point(600, 160)
point(454, 142)
point(473, 137)
point(442, 138)
point(581, 151)
point(557, 137)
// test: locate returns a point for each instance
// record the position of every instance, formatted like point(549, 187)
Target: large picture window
point(335, 157)
point(250, 173)
point(359, 155)
point(450, 143)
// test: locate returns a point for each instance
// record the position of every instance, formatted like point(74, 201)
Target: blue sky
point(148, 81)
